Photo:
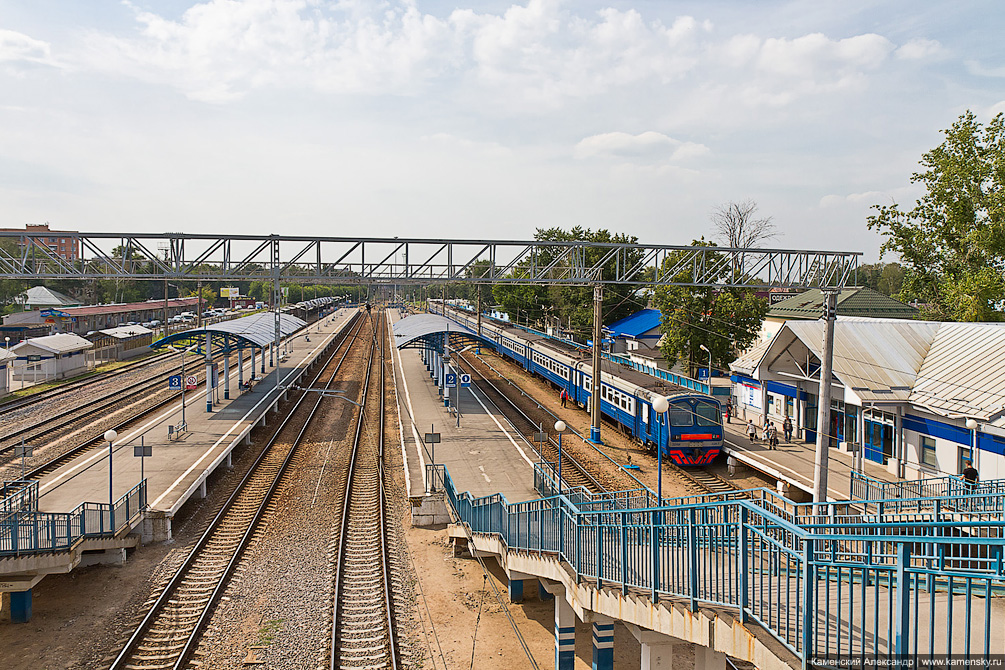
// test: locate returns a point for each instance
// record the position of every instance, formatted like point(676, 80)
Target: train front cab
point(695, 426)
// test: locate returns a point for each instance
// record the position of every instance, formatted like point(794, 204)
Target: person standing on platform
point(772, 434)
point(970, 476)
point(787, 428)
point(729, 413)
point(563, 396)
point(751, 430)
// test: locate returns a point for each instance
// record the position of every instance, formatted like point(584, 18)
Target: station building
point(87, 318)
point(51, 357)
point(118, 344)
point(904, 392)
point(6, 359)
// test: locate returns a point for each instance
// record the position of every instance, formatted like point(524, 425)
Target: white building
point(6, 358)
point(51, 357)
point(902, 390)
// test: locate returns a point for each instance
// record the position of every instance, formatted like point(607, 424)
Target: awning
point(425, 330)
point(257, 330)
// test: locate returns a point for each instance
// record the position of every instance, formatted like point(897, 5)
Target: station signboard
point(450, 380)
point(174, 383)
point(191, 383)
point(465, 381)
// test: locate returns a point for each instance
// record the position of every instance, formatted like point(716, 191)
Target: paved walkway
point(179, 468)
point(793, 462)
point(484, 455)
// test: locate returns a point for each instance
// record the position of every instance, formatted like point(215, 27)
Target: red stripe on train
point(699, 436)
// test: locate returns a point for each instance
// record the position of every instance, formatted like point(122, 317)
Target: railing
point(825, 588)
point(30, 532)
point(956, 494)
point(18, 496)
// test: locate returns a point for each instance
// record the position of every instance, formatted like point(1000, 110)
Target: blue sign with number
point(465, 381)
point(174, 383)
point(451, 380)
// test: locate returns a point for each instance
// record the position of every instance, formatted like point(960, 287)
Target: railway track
point(363, 628)
point(169, 631)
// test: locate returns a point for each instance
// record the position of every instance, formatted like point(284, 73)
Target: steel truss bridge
point(183, 256)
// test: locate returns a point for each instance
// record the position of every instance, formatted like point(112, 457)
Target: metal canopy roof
point(417, 329)
point(257, 330)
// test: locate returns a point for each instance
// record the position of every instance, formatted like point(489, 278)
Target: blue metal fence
point(28, 531)
point(954, 492)
point(824, 586)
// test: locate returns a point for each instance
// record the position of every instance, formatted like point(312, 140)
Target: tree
point(723, 319)
point(952, 243)
point(887, 278)
point(736, 227)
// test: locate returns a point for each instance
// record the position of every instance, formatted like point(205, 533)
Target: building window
point(928, 451)
point(964, 457)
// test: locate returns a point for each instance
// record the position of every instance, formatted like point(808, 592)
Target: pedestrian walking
point(787, 429)
point(751, 430)
point(772, 436)
point(564, 396)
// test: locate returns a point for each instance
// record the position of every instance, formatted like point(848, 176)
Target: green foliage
point(952, 243)
point(724, 320)
point(571, 306)
point(887, 278)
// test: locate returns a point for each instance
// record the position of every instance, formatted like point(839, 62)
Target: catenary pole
point(824, 402)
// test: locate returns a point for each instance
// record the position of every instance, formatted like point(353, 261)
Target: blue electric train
point(689, 434)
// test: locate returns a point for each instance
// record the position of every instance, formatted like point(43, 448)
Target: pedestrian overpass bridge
point(751, 574)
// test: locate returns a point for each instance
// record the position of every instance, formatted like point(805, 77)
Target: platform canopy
point(425, 331)
point(257, 330)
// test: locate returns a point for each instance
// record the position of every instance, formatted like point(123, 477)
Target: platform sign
point(540, 437)
point(23, 450)
point(215, 375)
point(174, 383)
point(191, 383)
point(432, 438)
point(143, 450)
point(34, 358)
point(451, 380)
point(465, 381)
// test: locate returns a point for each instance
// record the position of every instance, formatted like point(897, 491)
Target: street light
point(660, 405)
point(560, 428)
point(972, 426)
point(705, 349)
point(111, 436)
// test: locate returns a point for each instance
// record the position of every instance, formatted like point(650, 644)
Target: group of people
point(769, 433)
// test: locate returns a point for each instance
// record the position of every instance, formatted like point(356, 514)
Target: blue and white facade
point(902, 391)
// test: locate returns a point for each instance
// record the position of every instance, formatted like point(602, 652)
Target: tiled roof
point(850, 302)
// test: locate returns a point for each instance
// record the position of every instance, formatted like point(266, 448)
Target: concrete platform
point(484, 455)
point(793, 462)
point(178, 468)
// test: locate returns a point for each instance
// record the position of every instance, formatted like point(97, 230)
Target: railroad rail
point(363, 627)
point(168, 633)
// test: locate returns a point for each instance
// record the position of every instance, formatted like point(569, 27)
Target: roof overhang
point(425, 331)
point(257, 330)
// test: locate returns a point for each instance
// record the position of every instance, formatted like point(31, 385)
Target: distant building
point(902, 390)
point(640, 330)
point(6, 359)
point(856, 301)
point(117, 344)
point(51, 357)
point(61, 242)
point(40, 297)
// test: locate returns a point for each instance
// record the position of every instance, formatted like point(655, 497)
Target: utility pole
point(824, 403)
point(198, 313)
point(598, 303)
point(165, 307)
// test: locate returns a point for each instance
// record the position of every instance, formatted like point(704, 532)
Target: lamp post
point(705, 349)
point(560, 428)
point(660, 405)
point(972, 426)
point(111, 436)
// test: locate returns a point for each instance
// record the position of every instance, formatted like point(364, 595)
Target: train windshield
point(707, 414)
point(680, 415)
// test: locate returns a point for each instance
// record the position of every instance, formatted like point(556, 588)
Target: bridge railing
point(876, 496)
point(29, 532)
point(18, 496)
point(825, 590)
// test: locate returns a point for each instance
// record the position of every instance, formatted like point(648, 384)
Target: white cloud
point(17, 47)
point(922, 49)
point(647, 145)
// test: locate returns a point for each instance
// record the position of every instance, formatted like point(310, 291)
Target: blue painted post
point(226, 367)
point(692, 552)
point(516, 590)
point(624, 553)
point(744, 586)
point(542, 593)
point(20, 606)
point(654, 540)
point(902, 612)
point(565, 635)
point(809, 608)
point(603, 644)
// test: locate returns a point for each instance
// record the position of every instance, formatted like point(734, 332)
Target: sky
point(482, 120)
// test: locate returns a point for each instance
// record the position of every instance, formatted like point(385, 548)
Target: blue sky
point(488, 119)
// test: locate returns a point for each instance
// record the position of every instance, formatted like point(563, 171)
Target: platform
point(485, 455)
point(793, 462)
point(178, 468)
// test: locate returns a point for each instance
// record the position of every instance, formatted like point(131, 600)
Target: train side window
point(707, 414)
point(680, 416)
